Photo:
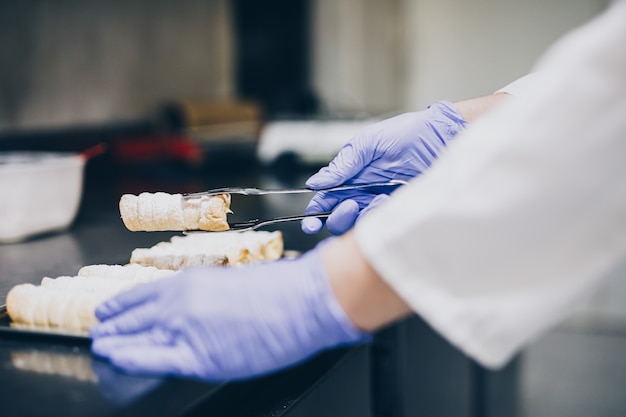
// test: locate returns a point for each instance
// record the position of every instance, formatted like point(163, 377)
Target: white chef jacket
point(525, 213)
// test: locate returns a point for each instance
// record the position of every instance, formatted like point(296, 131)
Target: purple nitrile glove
point(398, 148)
point(224, 323)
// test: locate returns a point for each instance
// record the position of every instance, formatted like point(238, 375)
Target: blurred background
point(201, 87)
point(157, 65)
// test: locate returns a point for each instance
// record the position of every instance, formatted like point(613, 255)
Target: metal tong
point(256, 223)
point(258, 191)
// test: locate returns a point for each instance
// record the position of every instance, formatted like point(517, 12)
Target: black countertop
point(45, 375)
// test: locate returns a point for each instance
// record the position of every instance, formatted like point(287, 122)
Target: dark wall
point(272, 60)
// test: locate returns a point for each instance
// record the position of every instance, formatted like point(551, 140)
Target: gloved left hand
point(398, 148)
point(224, 323)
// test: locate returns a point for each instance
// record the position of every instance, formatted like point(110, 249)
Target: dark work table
point(408, 369)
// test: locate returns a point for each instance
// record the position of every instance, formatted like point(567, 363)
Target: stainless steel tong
point(258, 191)
point(257, 224)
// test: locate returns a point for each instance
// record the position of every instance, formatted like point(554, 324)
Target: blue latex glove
point(224, 323)
point(398, 148)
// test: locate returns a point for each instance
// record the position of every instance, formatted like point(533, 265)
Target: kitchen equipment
point(258, 191)
point(39, 192)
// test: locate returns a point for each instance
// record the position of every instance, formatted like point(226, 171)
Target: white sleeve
point(525, 214)
point(523, 85)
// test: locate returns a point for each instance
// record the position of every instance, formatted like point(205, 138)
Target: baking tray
point(7, 330)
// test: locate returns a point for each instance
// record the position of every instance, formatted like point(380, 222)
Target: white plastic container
point(39, 192)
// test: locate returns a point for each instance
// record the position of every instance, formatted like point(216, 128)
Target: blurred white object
point(39, 192)
point(312, 141)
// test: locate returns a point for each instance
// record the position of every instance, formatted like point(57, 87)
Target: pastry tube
point(273, 249)
point(162, 211)
point(175, 261)
point(68, 303)
point(132, 272)
point(40, 312)
point(202, 249)
point(44, 307)
point(96, 285)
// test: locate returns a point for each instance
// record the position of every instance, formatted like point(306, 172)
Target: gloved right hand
point(401, 148)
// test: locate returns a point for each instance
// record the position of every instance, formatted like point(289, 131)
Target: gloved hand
point(224, 323)
point(398, 148)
